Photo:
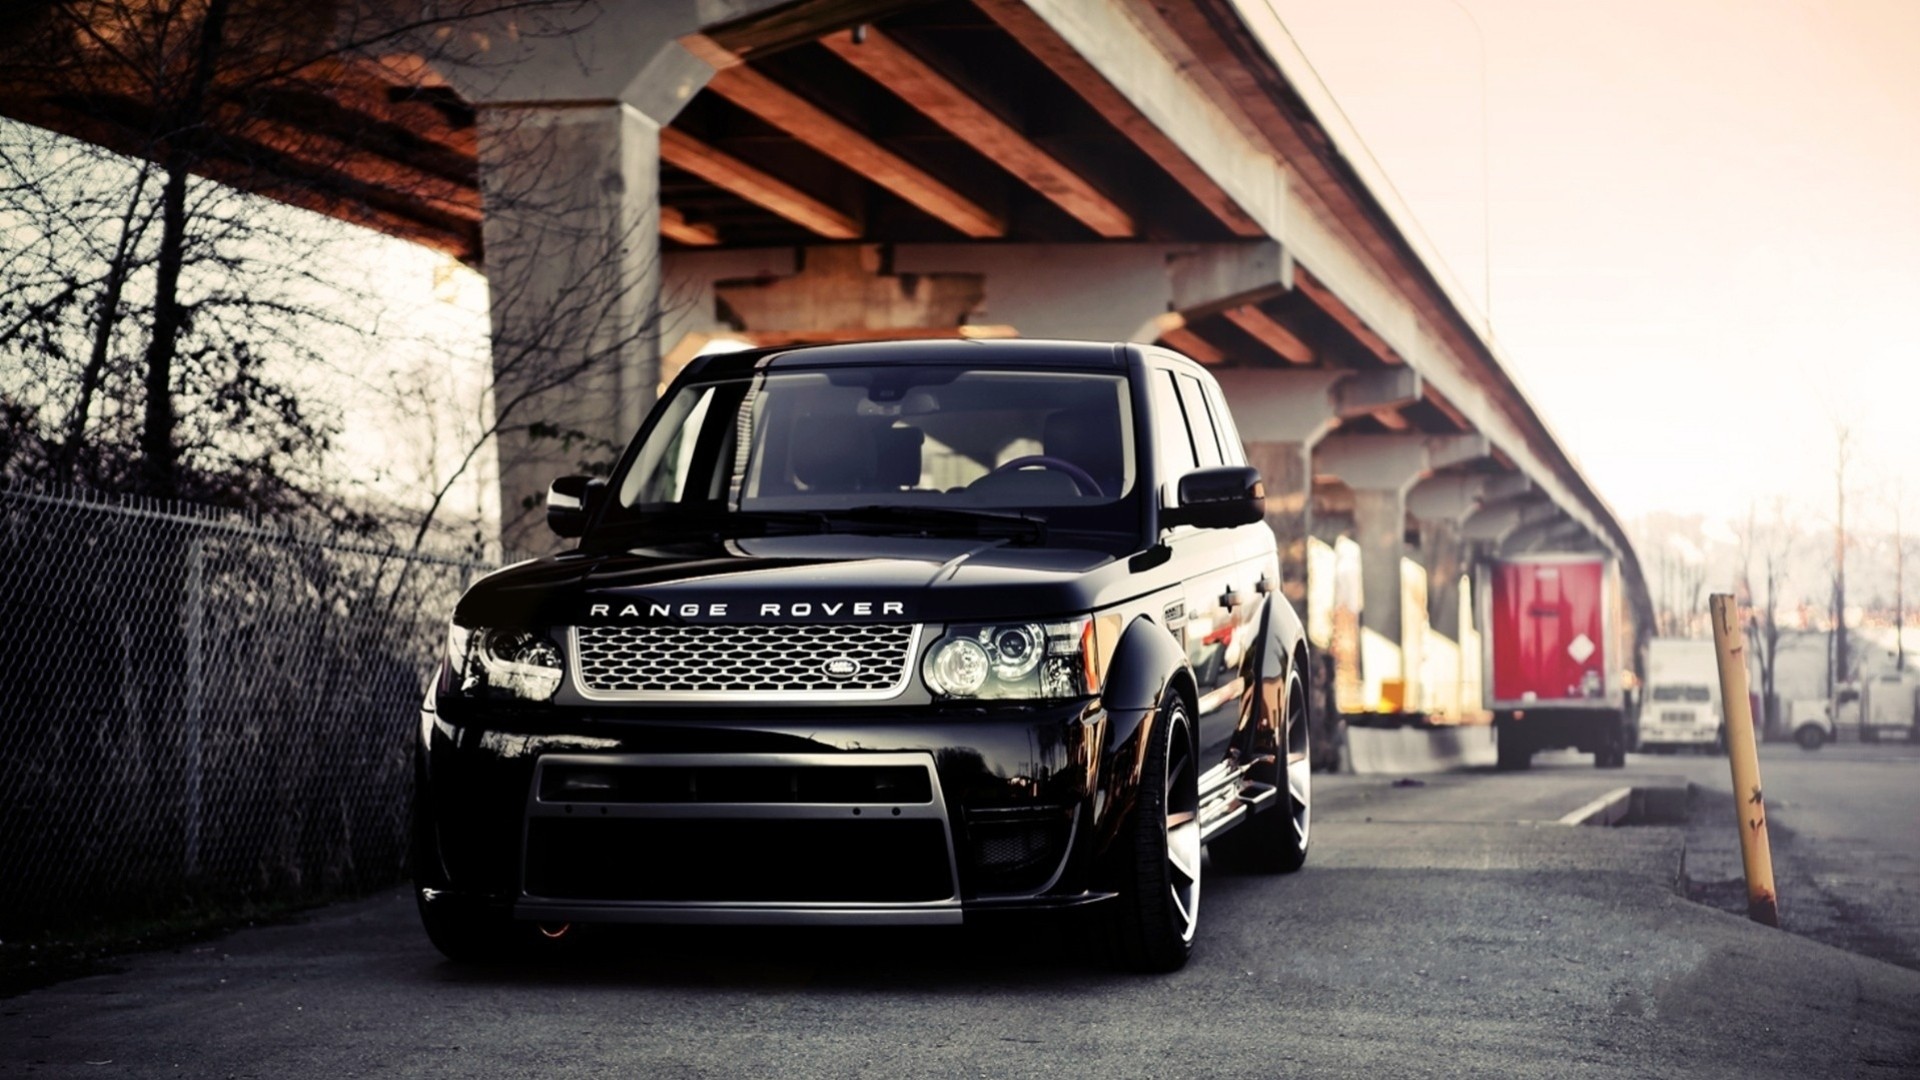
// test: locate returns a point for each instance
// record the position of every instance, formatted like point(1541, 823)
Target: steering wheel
point(1083, 482)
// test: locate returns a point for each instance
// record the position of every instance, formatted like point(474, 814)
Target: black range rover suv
point(879, 634)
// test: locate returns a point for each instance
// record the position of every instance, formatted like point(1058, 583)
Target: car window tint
point(1193, 402)
point(1177, 457)
point(1230, 446)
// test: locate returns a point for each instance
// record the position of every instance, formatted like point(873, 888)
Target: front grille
point(833, 660)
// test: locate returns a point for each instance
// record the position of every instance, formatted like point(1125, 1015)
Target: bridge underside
point(645, 179)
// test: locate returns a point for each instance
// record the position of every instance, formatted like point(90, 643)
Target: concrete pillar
point(572, 258)
point(1282, 414)
point(570, 104)
point(1439, 507)
point(1380, 470)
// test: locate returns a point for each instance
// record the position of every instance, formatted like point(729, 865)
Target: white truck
point(1890, 708)
point(1811, 722)
point(1681, 706)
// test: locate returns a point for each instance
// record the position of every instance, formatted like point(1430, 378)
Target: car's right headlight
point(1013, 660)
point(499, 663)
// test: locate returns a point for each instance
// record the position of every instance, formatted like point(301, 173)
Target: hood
point(813, 578)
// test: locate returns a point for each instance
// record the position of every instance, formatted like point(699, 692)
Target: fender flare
point(1146, 664)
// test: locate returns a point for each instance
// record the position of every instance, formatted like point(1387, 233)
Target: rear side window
point(1230, 446)
point(1171, 429)
point(1206, 439)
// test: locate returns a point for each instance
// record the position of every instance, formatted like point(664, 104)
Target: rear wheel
point(1810, 737)
point(1613, 751)
point(1159, 905)
point(1513, 751)
point(1274, 841)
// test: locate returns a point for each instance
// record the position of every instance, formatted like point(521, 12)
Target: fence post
point(196, 671)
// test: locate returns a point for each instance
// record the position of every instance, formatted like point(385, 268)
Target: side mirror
point(1219, 498)
point(571, 500)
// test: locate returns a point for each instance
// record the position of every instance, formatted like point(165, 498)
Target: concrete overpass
point(639, 177)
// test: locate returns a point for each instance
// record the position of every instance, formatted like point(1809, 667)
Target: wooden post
point(1743, 755)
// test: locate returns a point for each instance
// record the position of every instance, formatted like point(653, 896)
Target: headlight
point(502, 663)
point(1013, 660)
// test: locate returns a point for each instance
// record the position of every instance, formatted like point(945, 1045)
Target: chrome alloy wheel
point(1182, 822)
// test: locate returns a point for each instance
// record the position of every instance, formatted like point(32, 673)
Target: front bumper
point(849, 816)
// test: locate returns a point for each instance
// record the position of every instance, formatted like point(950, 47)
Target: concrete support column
point(572, 257)
point(1380, 470)
point(1440, 507)
point(1380, 528)
point(571, 100)
point(1281, 416)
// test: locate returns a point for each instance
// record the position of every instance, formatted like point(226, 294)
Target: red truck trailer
point(1555, 663)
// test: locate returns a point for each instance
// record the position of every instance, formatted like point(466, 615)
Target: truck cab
point(1682, 706)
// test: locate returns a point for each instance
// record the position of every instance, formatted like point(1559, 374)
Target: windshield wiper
point(945, 519)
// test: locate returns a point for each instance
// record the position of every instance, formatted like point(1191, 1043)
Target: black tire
point(1613, 752)
point(469, 934)
point(1159, 905)
point(1274, 841)
point(1513, 752)
point(1867, 734)
point(1810, 737)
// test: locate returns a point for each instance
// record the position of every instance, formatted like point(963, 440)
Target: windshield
point(1682, 693)
point(936, 445)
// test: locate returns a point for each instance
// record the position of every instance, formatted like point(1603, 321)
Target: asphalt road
point(1445, 929)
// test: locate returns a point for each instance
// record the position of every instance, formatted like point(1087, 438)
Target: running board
point(1230, 797)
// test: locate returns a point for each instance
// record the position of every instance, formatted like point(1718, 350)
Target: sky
point(1698, 222)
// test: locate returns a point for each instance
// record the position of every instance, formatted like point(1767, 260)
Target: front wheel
point(471, 934)
point(1513, 752)
point(1810, 738)
point(1159, 905)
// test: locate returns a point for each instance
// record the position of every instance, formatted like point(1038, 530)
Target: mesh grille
point(762, 660)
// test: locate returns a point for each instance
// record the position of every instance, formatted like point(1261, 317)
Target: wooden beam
point(1447, 408)
point(807, 122)
point(723, 170)
point(1324, 299)
point(1391, 419)
point(1265, 329)
point(1193, 345)
point(1033, 34)
point(675, 226)
point(888, 63)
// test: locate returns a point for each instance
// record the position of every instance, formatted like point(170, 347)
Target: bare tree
point(151, 313)
point(1772, 546)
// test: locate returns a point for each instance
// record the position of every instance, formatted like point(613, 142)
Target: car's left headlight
point(1013, 660)
point(497, 663)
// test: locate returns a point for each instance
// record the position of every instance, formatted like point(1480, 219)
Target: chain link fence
point(200, 709)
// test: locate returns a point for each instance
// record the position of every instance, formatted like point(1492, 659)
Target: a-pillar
point(568, 150)
point(1380, 470)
